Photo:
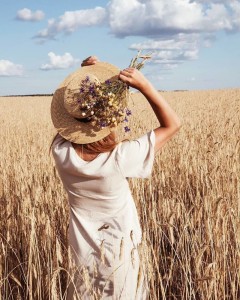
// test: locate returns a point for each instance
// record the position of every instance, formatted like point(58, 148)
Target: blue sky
point(195, 43)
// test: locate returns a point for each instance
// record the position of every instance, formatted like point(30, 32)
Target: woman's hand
point(91, 60)
point(134, 78)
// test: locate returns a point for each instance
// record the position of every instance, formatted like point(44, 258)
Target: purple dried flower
point(87, 79)
point(128, 112)
point(82, 90)
point(92, 90)
point(127, 129)
point(125, 120)
point(108, 82)
point(103, 123)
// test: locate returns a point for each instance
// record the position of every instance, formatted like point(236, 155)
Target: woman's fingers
point(125, 77)
point(133, 78)
point(126, 74)
point(128, 71)
point(91, 60)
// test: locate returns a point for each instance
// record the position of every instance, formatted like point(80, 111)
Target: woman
point(104, 229)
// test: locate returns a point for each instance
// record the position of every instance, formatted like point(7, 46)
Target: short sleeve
point(135, 158)
point(58, 149)
point(58, 140)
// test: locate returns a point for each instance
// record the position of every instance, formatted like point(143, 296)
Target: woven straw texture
point(63, 112)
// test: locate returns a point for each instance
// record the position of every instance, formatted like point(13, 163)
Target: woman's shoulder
point(57, 143)
point(58, 139)
point(128, 144)
point(135, 157)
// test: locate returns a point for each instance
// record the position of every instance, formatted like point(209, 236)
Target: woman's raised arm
point(168, 119)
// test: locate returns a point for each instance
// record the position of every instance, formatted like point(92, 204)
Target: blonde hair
point(106, 144)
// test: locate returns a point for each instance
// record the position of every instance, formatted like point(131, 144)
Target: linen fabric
point(104, 230)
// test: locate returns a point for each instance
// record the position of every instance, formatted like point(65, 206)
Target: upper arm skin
point(162, 135)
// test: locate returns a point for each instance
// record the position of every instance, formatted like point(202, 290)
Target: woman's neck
point(82, 153)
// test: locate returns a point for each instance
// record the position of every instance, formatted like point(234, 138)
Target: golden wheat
point(189, 208)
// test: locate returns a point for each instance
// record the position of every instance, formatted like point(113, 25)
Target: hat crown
point(73, 96)
point(67, 112)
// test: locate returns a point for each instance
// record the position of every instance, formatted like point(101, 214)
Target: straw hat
point(68, 117)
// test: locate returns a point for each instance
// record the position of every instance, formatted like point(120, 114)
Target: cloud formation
point(175, 30)
point(26, 14)
point(70, 21)
point(57, 62)
point(8, 68)
point(155, 18)
point(150, 18)
point(171, 51)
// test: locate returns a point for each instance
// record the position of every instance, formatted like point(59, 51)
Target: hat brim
point(67, 126)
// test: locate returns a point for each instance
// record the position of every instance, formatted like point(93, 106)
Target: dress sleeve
point(58, 147)
point(58, 140)
point(135, 158)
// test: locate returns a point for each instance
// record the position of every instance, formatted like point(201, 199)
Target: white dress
point(104, 230)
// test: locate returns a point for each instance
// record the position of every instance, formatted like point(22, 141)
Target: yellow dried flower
point(105, 102)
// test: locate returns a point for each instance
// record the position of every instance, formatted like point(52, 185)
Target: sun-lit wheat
point(189, 208)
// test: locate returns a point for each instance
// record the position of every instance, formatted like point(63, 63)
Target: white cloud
point(217, 18)
point(26, 14)
point(170, 52)
point(176, 29)
point(155, 18)
point(150, 18)
point(70, 21)
point(235, 6)
point(123, 14)
point(8, 68)
point(59, 62)
point(179, 41)
point(212, 1)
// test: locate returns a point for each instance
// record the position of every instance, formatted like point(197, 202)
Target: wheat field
point(189, 208)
